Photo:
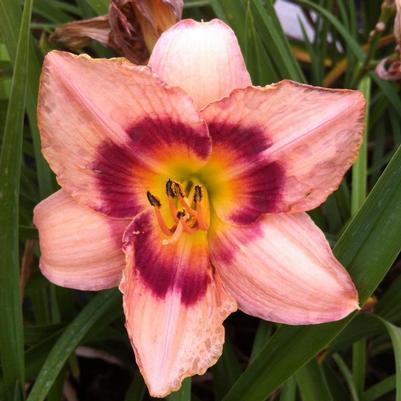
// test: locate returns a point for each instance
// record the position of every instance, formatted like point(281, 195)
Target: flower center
point(188, 208)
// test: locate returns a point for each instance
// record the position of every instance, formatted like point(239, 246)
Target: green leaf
point(359, 191)
point(184, 393)
point(263, 333)
point(389, 91)
point(289, 390)
point(137, 388)
point(359, 365)
point(347, 376)
point(11, 333)
point(36, 334)
point(10, 17)
point(389, 306)
point(395, 335)
point(362, 326)
point(276, 43)
point(90, 316)
point(99, 6)
point(312, 383)
point(359, 170)
point(368, 247)
point(379, 389)
point(341, 29)
point(226, 371)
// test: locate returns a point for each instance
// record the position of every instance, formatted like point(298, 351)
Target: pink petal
point(282, 269)
point(284, 147)
point(80, 248)
point(109, 128)
point(174, 305)
point(202, 58)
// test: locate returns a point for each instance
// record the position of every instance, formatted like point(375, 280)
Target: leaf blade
point(11, 334)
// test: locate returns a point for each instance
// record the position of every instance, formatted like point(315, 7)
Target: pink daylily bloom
point(202, 181)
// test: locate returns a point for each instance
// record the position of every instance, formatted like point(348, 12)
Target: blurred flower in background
point(390, 67)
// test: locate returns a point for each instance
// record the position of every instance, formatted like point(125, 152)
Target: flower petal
point(203, 58)
point(174, 305)
point(284, 148)
point(80, 248)
point(108, 127)
point(283, 270)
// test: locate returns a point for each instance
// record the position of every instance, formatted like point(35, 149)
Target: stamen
point(185, 205)
point(169, 189)
point(199, 209)
point(175, 237)
point(184, 222)
point(156, 207)
point(180, 214)
point(171, 195)
point(174, 190)
point(198, 193)
point(189, 219)
point(153, 200)
point(187, 228)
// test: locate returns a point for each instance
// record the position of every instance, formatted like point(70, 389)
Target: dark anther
point(169, 189)
point(180, 214)
point(173, 189)
point(177, 189)
point(153, 200)
point(198, 193)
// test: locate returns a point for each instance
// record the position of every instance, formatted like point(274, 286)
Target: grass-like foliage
point(60, 344)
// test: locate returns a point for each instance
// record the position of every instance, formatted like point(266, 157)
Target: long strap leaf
point(11, 333)
point(90, 316)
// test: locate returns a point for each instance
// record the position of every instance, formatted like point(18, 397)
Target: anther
point(156, 204)
point(178, 189)
point(153, 200)
point(180, 214)
point(173, 189)
point(198, 193)
point(169, 189)
point(202, 223)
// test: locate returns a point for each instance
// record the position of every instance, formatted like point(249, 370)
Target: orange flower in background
point(187, 186)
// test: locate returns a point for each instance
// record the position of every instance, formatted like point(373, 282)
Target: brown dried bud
point(389, 70)
point(131, 28)
point(78, 34)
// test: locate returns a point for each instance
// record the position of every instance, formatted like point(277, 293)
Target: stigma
point(188, 210)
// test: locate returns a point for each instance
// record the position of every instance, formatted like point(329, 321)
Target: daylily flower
point(203, 181)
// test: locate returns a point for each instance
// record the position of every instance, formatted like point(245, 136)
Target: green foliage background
point(356, 359)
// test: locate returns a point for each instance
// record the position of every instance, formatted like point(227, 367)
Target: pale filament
point(201, 216)
point(188, 220)
point(175, 236)
point(173, 208)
